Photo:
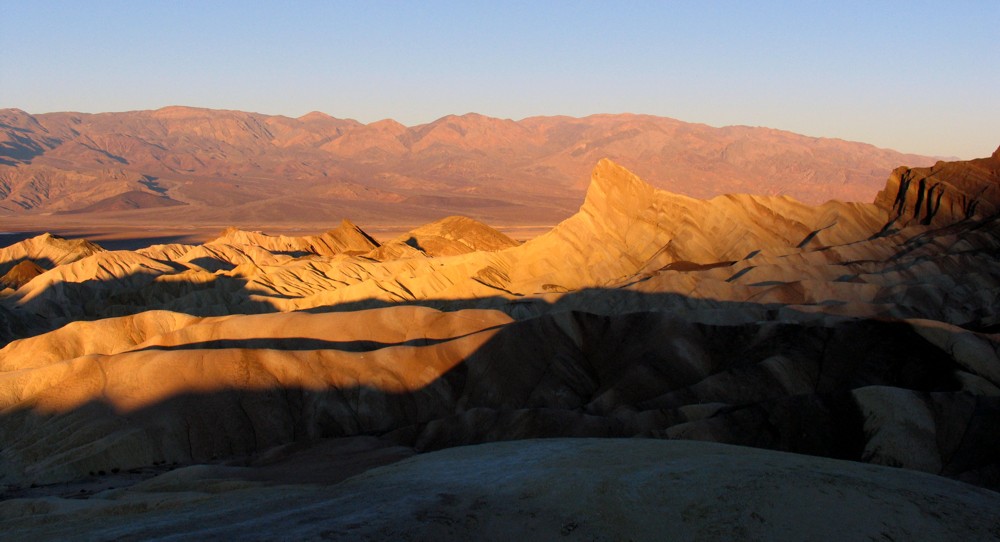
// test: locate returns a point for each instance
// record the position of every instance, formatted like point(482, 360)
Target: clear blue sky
point(915, 76)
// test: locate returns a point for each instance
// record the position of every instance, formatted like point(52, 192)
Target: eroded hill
point(864, 332)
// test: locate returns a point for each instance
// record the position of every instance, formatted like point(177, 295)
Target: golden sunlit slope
point(626, 234)
point(825, 330)
point(624, 229)
point(449, 236)
point(46, 251)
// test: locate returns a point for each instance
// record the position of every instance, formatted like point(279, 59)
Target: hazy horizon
point(854, 71)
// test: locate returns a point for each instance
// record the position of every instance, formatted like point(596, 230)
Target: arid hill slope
point(194, 166)
point(837, 330)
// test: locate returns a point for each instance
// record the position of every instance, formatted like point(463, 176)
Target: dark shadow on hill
point(131, 294)
point(142, 242)
point(98, 238)
point(862, 390)
point(44, 263)
point(153, 183)
point(301, 343)
point(19, 148)
point(126, 201)
point(224, 294)
point(596, 362)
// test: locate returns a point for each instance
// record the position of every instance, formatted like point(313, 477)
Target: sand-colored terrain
point(848, 331)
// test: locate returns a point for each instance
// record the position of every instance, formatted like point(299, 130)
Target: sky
point(914, 76)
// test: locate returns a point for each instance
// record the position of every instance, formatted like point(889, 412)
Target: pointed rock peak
point(613, 186)
point(21, 274)
point(48, 239)
point(996, 153)
point(606, 168)
point(348, 228)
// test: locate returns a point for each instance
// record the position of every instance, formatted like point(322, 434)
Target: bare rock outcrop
point(345, 239)
point(46, 251)
point(20, 274)
point(944, 193)
point(626, 226)
point(450, 236)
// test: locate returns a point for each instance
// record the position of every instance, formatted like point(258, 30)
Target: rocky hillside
point(846, 331)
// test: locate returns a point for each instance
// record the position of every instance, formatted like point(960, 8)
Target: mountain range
point(181, 165)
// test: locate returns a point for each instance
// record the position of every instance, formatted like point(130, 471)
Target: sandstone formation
point(345, 239)
point(20, 274)
point(46, 251)
point(449, 236)
point(843, 330)
point(944, 193)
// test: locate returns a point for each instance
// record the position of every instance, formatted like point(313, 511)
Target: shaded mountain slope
point(133, 199)
point(218, 387)
point(20, 274)
point(449, 236)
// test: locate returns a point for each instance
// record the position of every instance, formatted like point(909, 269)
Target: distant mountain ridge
point(229, 164)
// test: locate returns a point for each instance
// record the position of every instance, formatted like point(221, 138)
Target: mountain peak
point(613, 186)
point(387, 124)
point(314, 115)
point(20, 274)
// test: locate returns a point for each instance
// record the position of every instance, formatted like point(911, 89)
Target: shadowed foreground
point(580, 489)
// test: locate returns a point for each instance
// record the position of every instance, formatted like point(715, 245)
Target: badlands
point(655, 365)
